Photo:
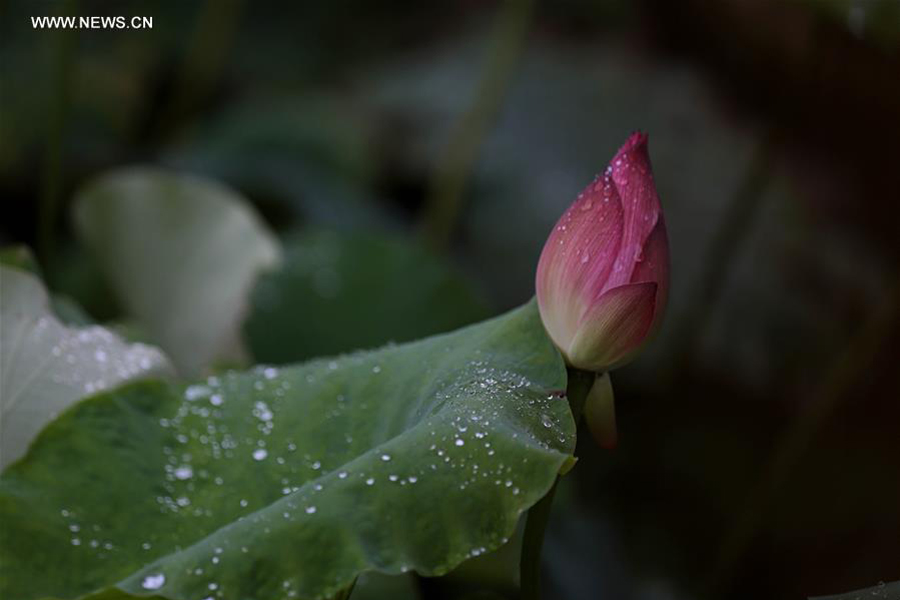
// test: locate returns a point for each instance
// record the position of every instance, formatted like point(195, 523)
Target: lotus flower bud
point(603, 276)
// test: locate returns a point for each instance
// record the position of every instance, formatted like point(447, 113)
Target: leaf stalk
point(579, 384)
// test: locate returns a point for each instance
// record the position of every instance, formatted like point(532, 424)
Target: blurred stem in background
point(445, 194)
point(839, 378)
point(726, 244)
point(59, 100)
point(346, 592)
point(577, 389)
point(204, 61)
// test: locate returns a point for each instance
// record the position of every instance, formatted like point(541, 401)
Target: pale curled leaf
point(182, 254)
point(46, 366)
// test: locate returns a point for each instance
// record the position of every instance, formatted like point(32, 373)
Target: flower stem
point(579, 385)
point(57, 116)
point(444, 203)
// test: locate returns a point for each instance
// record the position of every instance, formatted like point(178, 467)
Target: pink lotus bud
point(603, 276)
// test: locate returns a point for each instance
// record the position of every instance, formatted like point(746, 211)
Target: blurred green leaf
point(21, 258)
point(341, 292)
point(76, 274)
point(68, 311)
point(182, 254)
point(323, 131)
point(290, 483)
point(45, 366)
point(302, 156)
point(883, 591)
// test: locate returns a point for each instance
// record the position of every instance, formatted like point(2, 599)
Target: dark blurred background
point(759, 452)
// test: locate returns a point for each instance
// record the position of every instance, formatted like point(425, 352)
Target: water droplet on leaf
point(153, 582)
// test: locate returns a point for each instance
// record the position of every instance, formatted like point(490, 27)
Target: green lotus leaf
point(290, 482)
